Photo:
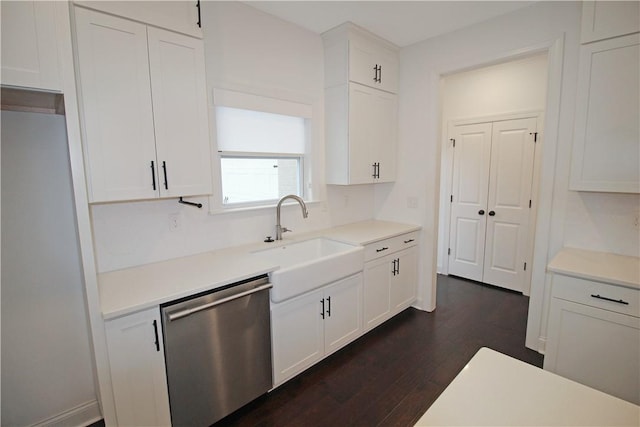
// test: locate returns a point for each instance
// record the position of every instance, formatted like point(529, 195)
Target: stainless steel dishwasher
point(218, 351)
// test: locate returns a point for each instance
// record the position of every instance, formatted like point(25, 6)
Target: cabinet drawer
point(614, 298)
point(388, 246)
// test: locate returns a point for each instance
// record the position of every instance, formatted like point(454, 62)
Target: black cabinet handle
point(199, 23)
point(329, 305)
point(153, 175)
point(164, 169)
point(374, 170)
point(380, 74)
point(322, 311)
point(382, 249)
point(378, 172)
point(398, 266)
point(409, 241)
point(375, 73)
point(155, 331)
point(492, 213)
point(393, 269)
point(619, 301)
point(481, 212)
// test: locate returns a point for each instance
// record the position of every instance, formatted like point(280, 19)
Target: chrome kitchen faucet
point(279, 228)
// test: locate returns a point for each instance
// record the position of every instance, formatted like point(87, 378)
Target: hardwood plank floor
point(390, 376)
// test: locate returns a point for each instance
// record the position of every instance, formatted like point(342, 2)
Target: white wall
point(250, 51)
point(591, 217)
point(510, 87)
point(46, 358)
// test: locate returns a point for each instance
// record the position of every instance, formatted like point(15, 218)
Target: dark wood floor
point(390, 376)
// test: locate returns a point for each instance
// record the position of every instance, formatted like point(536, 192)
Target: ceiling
point(400, 22)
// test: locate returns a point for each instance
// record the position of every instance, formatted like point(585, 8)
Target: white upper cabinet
point(361, 78)
point(144, 110)
point(606, 19)
point(606, 148)
point(30, 45)
point(353, 54)
point(179, 16)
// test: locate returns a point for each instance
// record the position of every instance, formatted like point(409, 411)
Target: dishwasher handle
point(189, 311)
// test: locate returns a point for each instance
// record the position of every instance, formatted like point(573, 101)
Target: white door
point(343, 313)
point(297, 331)
point(512, 150)
point(490, 207)
point(383, 121)
point(180, 113)
point(137, 363)
point(377, 297)
point(471, 161)
point(116, 103)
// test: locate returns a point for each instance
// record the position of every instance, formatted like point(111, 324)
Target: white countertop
point(497, 390)
point(132, 289)
point(600, 266)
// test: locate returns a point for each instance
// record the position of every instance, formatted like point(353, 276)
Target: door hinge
point(451, 198)
point(535, 136)
point(454, 142)
point(525, 266)
point(449, 251)
point(529, 203)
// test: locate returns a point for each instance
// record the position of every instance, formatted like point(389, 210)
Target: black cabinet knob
point(491, 213)
point(481, 212)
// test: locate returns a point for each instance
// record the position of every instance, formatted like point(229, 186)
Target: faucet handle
point(285, 229)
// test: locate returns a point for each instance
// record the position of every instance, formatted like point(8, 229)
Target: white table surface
point(497, 390)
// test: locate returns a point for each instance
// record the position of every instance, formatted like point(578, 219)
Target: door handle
point(164, 169)
point(481, 212)
point(491, 213)
point(189, 311)
point(328, 306)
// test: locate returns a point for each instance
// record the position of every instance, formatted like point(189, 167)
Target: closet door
point(471, 161)
point(512, 153)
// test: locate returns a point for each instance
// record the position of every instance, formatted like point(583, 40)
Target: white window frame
point(242, 100)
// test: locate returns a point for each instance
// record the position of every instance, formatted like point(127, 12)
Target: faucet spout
point(303, 206)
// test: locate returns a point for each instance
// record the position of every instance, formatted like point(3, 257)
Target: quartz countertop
point(497, 390)
point(600, 266)
point(133, 289)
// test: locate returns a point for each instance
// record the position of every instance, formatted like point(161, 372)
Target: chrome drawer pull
point(619, 301)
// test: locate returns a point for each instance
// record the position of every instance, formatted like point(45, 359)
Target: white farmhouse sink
point(309, 264)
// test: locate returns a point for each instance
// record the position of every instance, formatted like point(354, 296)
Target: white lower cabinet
point(309, 327)
point(390, 281)
point(138, 377)
point(594, 336)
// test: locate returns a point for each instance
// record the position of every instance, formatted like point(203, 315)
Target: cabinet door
point(377, 283)
point(29, 45)
point(605, 19)
point(607, 129)
point(405, 281)
point(180, 113)
point(179, 16)
point(384, 110)
point(595, 347)
point(113, 68)
point(373, 66)
point(343, 313)
point(372, 135)
point(361, 117)
point(138, 374)
point(297, 329)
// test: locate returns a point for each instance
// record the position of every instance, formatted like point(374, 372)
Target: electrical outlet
point(175, 222)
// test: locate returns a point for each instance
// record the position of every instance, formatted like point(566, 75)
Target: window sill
point(224, 211)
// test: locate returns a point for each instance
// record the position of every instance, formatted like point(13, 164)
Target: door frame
point(446, 182)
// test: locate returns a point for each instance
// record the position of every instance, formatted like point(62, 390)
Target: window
point(261, 153)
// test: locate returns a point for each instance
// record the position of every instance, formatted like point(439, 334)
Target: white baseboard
point(80, 416)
